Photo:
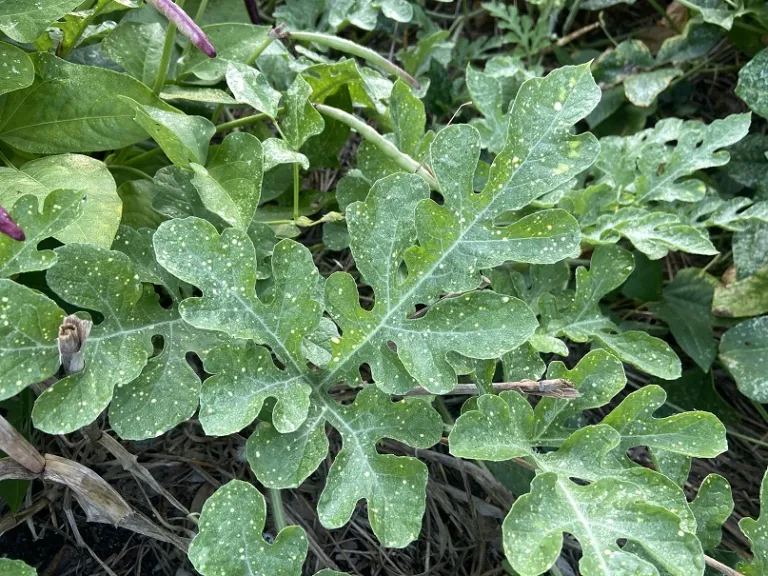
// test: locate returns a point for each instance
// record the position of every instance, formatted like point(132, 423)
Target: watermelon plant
point(346, 234)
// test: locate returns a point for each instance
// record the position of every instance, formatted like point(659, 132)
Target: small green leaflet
point(118, 348)
point(686, 307)
point(102, 209)
point(300, 120)
point(17, 70)
point(74, 108)
point(251, 87)
point(393, 486)
point(24, 21)
point(230, 541)
point(364, 13)
point(15, 568)
point(642, 89)
point(746, 297)
point(29, 325)
point(60, 209)
point(757, 532)
point(712, 506)
point(183, 138)
point(742, 351)
point(230, 184)
point(579, 318)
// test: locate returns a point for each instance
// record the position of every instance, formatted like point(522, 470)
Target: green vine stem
point(385, 146)
point(343, 45)
point(241, 122)
point(165, 58)
point(276, 499)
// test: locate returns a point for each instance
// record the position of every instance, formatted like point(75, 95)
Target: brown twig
point(555, 388)
point(720, 567)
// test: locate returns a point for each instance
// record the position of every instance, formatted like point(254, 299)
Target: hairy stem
point(349, 47)
point(385, 146)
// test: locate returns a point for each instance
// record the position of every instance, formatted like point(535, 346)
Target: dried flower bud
point(73, 334)
point(9, 227)
point(185, 25)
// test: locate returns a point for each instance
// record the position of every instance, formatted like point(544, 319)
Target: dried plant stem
point(556, 388)
point(385, 146)
point(19, 449)
point(720, 567)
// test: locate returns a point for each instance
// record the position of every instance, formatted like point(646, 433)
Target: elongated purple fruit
point(9, 227)
point(185, 25)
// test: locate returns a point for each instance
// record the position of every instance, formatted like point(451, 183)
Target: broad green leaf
point(540, 280)
point(74, 108)
point(102, 210)
point(746, 297)
point(327, 79)
point(195, 94)
point(695, 390)
point(748, 165)
point(300, 120)
point(25, 21)
point(251, 87)
point(29, 325)
point(230, 184)
point(10, 567)
point(756, 530)
point(117, 349)
point(742, 351)
point(522, 363)
point(137, 47)
point(579, 317)
point(417, 58)
point(712, 506)
point(184, 139)
point(642, 89)
point(597, 515)
point(724, 13)
point(393, 486)
point(234, 42)
point(686, 307)
point(60, 209)
point(17, 70)
point(230, 540)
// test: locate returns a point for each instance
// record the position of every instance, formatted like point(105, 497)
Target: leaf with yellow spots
point(153, 394)
point(588, 487)
point(61, 208)
point(231, 541)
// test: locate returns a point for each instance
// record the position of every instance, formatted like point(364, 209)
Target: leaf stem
point(139, 158)
point(165, 58)
point(201, 12)
point(295, 191)
point(666, 16)
point(136, 171)
point(240, 122)
point(6, 161)
point(349, 47)
point(276, 499)
point(271, 36)
point(385, 146)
